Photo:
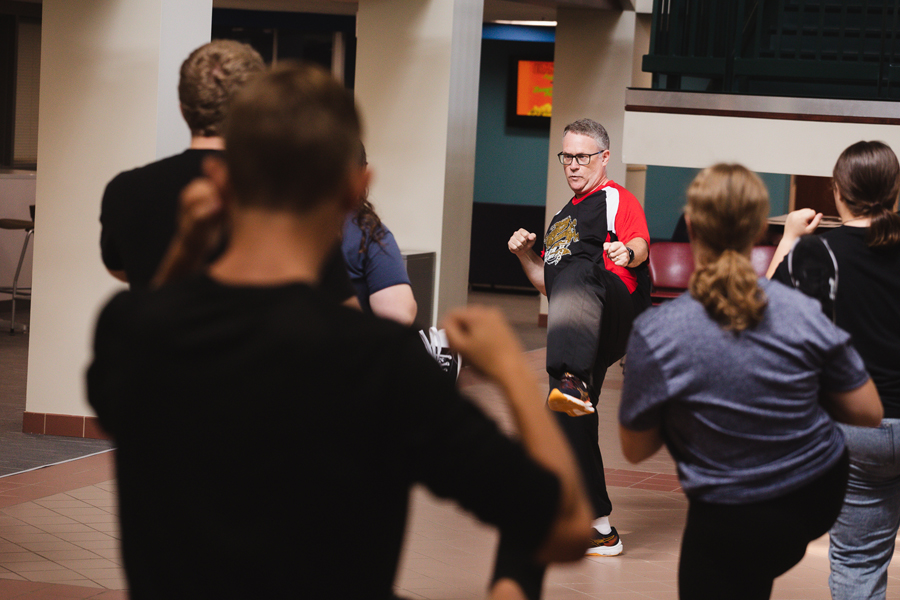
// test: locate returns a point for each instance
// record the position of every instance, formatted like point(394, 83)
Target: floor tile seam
point(69, 519)
point(42, 554)
point(19, 499)
point(606, 585)
point(49, 529)
point(635, 472)
point(637, 486)
point(60, 567)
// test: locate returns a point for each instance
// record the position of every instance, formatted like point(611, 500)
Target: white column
point(417, 86)
point(636, 178)
point(184, 26)
point(103, 109)
point(593, 59)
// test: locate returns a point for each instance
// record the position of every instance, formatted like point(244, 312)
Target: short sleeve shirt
point(867, 305)
point(202, 382)
point(740, 412)
point(379, 266)
point(578, 231)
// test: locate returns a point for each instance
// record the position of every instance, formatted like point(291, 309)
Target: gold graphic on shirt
point(557, 241)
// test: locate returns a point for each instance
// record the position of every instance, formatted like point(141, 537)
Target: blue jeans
point(862, 538)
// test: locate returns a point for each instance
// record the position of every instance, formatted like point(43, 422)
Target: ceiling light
point(527, 23)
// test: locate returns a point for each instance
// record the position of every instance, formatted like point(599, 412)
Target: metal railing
point(816, 48)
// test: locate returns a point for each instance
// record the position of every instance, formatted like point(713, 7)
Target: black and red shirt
point(608, 213)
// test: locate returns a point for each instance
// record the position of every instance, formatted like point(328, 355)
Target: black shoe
point(571, 397)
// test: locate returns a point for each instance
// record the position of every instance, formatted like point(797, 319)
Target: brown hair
point(727, 208)
point(291, 138)
point(210, 76)
point(366, 218)
point(867, 178)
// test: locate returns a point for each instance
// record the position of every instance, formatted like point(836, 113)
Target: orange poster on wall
point(534, 96)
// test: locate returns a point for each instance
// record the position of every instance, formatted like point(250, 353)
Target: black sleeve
point(109, 370)
point(335, 280)
point(782, 275)
point(109, 250)
point(458, 452)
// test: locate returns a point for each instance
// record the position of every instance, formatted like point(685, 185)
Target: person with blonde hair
point(866, 303)
point(742, 379)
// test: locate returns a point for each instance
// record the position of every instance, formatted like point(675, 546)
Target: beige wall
point(764, 145)
point(417, 86)
point(101, 64)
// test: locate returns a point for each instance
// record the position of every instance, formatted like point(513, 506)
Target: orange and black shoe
point(571, 397)
point(605, 545)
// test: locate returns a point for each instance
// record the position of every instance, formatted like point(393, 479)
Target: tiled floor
point(58, 534)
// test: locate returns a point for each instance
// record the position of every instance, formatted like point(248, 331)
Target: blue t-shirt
point(740, 413)
point(379, 267)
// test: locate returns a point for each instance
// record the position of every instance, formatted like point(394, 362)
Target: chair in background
point(671, 265)
point(15, 291)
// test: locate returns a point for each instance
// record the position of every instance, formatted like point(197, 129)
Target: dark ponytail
point(867, 179)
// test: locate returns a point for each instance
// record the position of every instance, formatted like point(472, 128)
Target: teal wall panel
point(510, 163)
point(665, 196)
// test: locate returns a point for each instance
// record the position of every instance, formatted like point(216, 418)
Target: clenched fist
point(521, 242)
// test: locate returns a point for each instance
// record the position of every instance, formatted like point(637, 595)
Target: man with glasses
point(593, 270)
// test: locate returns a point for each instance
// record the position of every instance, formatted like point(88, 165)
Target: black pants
point(513, 564)
point(589, 321)
point(736, 551)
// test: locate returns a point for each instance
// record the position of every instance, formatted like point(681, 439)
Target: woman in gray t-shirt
point(740, 379)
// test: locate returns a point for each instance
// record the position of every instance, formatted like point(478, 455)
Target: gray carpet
point(24, 451)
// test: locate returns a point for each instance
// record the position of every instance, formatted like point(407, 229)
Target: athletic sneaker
point(571, 397)
point(605, 545)
point(436, 343)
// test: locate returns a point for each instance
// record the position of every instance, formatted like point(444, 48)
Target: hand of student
point(521, 241)
point(617, 253)
point(801, 222)
point(201, 224)
point(484, 339)
point(200, 216)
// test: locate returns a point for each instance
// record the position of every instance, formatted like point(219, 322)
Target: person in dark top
point(246, 367)
point(593, 270)
point(866, 183)
point(139, 207)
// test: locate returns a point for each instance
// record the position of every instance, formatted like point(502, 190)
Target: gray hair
point(591, 129)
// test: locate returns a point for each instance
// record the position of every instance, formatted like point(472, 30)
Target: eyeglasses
point(581, 159)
